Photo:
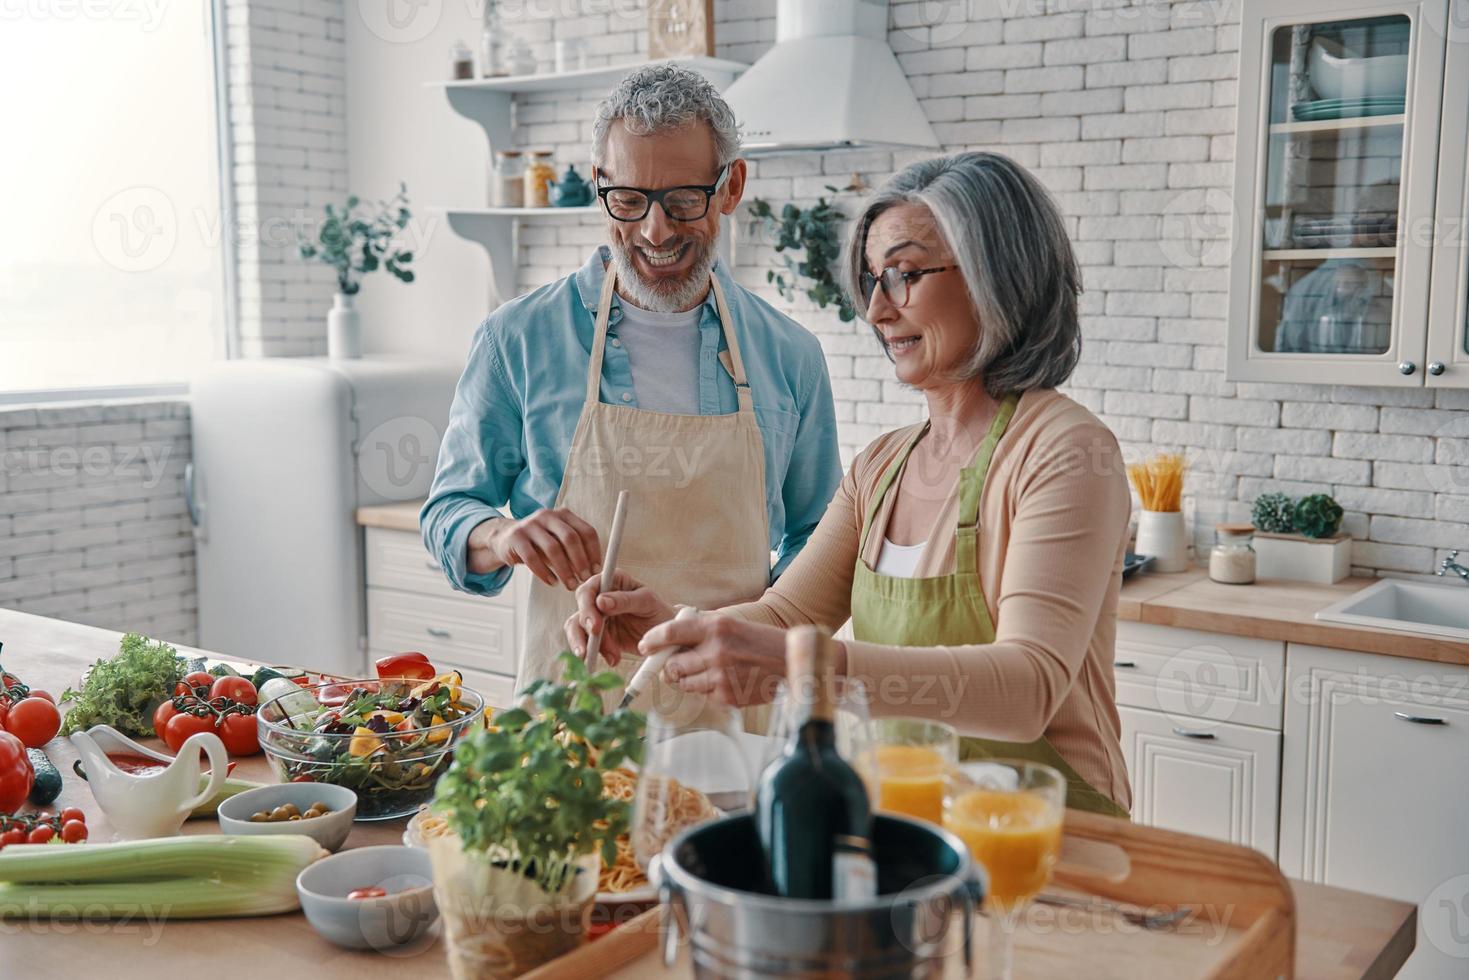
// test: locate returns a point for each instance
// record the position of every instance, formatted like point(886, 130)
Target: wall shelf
point(488, 102)
point(1336, 125)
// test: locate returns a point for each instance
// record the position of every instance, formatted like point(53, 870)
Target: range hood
point(831, 82)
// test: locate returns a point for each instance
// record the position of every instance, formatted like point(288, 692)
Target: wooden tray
point(1242, 925)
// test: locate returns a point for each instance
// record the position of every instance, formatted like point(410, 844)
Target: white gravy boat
point(153, 805)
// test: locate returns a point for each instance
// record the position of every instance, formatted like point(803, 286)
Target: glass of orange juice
point(906, 765)
point(1009, 813)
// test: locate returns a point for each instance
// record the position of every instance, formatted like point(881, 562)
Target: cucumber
point(48, 781)
point(264, 674)
point(223, 670)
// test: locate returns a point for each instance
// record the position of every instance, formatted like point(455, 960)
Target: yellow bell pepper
point(364, 742)
point(442, 734)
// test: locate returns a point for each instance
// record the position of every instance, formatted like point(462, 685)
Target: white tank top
point(899, 560)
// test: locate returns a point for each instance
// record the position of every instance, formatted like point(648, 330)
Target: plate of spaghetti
point(671, 808)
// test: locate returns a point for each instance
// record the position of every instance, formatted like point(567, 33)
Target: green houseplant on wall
point(528, 821)
point(1301, 539)
point(356, 239)
point(815, 231)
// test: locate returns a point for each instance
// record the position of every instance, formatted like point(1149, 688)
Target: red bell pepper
point(16, 773)
point(406, 666)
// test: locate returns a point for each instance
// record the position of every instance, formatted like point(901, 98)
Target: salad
point(389, 739)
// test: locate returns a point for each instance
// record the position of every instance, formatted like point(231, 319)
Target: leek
point(172, 877)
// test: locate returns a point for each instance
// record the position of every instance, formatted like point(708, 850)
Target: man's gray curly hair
point(657, 98)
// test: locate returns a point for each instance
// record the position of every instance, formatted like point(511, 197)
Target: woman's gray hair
point(657, 98)
point(1011, 247)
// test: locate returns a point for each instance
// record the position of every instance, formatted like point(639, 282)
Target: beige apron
point(697, 532)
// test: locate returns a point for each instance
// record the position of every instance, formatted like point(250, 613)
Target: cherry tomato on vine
point(161, 715)
point(237, 732)
point(43, 695)
point(71, 813)
point(181, 726)
point(40, 835)
point(12, 837)
point(192, 680)
point(73, 831)
point(35, 721)
point(237, 689)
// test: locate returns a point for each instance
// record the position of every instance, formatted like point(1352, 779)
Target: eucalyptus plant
point(1274, 513)
point(355, 242)
point(816, 230)
point(527, 792)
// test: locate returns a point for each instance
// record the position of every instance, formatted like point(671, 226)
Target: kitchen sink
point(1414, 607)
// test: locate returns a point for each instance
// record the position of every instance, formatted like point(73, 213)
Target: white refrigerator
point(284, 452)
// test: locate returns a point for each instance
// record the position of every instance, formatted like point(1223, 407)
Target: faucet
point(1449, 565)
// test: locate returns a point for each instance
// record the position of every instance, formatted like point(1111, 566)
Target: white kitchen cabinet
point(411, 606)
point(1342, 270)
point(1375, 791)
point(1203, 677)
point(1222, 781)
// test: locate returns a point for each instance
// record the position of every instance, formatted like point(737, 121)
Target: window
point(113, 253)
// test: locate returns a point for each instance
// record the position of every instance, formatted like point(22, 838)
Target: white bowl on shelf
point(1336, 76)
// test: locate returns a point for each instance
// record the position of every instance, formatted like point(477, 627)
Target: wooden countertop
point(391, 517)
point(1341, 935)
point(1272, 609)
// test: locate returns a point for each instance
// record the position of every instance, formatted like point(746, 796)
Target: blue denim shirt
point(521, 395)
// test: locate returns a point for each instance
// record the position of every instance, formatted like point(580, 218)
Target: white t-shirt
point(663, 349)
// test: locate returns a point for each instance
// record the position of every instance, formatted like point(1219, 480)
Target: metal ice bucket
point(710, 883)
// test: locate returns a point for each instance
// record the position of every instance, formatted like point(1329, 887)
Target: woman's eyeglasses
point(686, 203)
point(895, 283)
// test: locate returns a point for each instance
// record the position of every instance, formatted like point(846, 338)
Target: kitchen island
point(1340, 935)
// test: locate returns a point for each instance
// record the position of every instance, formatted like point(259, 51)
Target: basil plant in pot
point(354, 240)
point(528, 825)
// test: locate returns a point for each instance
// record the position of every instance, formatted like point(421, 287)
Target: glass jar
point(1233, 559)
point(507, 182)
point(539, 176)
point(493, 56)
point(462, 60)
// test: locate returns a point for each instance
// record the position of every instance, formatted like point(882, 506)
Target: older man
point(649, 370)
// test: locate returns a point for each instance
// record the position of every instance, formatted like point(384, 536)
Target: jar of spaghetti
point(1233, 559)
point(539, 176)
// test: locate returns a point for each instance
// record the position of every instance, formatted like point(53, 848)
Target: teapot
point(152, 804)
point(571, 191)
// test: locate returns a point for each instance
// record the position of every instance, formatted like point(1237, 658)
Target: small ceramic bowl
point(403, 916)
point(329, 830)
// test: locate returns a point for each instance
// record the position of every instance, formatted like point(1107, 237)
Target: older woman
point(979, 553)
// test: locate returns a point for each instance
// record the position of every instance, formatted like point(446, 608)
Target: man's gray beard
point(685, 296)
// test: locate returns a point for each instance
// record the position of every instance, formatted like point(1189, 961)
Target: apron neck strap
point(971, 488)
point(599, 342)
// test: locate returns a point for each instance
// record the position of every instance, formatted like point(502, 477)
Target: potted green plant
point(1301, 539)
point(529, 825)
point(355, 242)
point(816, 231)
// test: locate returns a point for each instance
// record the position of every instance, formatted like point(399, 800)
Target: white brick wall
point(1126, 112)
point(93, 528)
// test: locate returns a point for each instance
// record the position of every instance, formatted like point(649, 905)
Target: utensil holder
point(1162, 534)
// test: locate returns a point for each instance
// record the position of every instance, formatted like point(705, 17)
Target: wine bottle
point(811, 808)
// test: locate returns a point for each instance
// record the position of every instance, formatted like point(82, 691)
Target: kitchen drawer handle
point(1419, 719)
point(1126, 664)
point(433, 566)
point(1191, 733)
point(437, 634)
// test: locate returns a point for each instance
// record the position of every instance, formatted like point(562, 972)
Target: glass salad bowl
point(387, 740)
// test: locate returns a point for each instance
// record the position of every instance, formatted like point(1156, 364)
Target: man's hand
point(557, 546)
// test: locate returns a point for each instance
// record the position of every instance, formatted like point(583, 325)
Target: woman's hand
point(727, 659)
point(623, 614)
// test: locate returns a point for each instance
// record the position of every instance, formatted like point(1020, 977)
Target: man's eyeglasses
point(686, 203)
point(895, 283)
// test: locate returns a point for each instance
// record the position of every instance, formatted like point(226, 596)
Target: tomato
point(36, 693)
point(161, 715)
point(304, 778)
point(373, 892)
point(181, 726)
point(238, 734)
point(12, 837)
point(4, 711)
point(407, 666)
point(40, 835)
point(16, 773)
point(73, 831)
point(237, 689)
point(192, 680)
point(335, 695)
point(72, 813)
point(35, 721)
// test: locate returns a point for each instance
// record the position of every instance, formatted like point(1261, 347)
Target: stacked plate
point(1319, 109)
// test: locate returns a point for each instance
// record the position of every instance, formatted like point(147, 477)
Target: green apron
point(950, 610)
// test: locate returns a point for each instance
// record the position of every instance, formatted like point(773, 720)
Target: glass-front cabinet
point(1338, 155)
point(1448, 341)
